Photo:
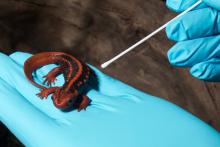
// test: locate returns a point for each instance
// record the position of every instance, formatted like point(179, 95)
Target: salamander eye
point(70, 102)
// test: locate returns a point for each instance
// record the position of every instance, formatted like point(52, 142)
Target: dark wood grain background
point(96, 30)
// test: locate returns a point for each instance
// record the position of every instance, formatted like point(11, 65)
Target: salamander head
point(64, 100)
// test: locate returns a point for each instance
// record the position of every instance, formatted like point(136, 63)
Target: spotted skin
point(76, 75)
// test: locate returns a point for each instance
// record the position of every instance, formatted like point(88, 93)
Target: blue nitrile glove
point(119, 115)
point(197, 34)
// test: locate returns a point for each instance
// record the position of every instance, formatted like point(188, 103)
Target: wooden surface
point(97, 30)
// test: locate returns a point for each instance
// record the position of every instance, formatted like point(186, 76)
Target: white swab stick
point(104, 65)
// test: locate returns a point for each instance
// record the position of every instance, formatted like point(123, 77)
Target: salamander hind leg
point(51, 76)
point(84, 103)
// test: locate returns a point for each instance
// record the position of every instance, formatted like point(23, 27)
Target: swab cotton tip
point(104, 65)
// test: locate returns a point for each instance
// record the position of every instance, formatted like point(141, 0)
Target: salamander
point(76, 75)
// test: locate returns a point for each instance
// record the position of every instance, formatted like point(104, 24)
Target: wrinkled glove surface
point(197, 37)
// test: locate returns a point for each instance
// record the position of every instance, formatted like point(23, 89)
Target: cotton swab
point(104, 65)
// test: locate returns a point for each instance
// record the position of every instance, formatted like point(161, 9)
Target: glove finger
point(19, 57)
point(195, 24)
point(208, 70)
point(182, 5)
point(8, 69)
point(188, 53)
point(213, 3)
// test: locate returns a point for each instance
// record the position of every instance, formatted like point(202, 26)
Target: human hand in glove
point(198, 38)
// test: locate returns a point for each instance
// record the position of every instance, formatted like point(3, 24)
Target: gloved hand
point(119, 115)
point(197, 34)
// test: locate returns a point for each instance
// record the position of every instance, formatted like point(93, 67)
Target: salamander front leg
point(84, 103)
